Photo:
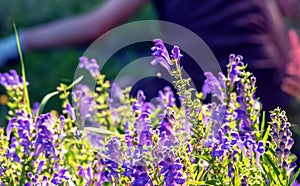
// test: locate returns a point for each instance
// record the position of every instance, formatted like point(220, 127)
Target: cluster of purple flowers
point(144, 144)
point(11, 80)
point(282, 137)
point(37, 139)
point(23, 124)
point(42, 180)
point(156, 145)
point(162, 56)
point(45, 138)
point(84, 103)
point(94, 174)
point(166, 98)
point(143, 123)
point(90, 65)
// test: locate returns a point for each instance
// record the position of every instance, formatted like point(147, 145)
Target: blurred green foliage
point(31, 12)
point(46, 69)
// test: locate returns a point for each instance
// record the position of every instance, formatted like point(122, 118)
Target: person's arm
point(82, 28)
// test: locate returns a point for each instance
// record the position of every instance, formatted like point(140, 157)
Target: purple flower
point(58, 177)
point(23, 123)
point(166, 126)
point(45, 139)
point(260, 150)
point(95, 176)
point(11, 79)
point(161, 55)
point(138, 103)
point(230, 170)
point(11, 152)
point(216, 151)
point(81, 171)
point(244, 181)
point(70, 110)
point(234, 71)
point(36, 180)
point(166, 98)
point(260, 147)
point(143, 122)
point(176, 54)
point(95, 139)
point(84, 102)
point(245, 120)
point(113, 151)
point(281, 135)
point(171, 169)
point(91, 66)
point(141, 178)
point(40, 166)
point(292, 166)
point(112, 171)
point(213, 85)
point(35, 109)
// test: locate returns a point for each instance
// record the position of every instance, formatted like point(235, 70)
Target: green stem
point(27, 102)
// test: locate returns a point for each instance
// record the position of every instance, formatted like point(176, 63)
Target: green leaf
point(270, 177)
point(74, 83)
point(50, 95)
point(208, 182)
point(70, 183)
point(98, 130)
point(262, 126)
point(44, 102)
point(266, 136)
point(212, 182)
point(27, 102)
point(275, 169)
point(269, 162)
point(294, 177)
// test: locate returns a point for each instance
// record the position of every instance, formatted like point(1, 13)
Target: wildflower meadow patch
point(103, 140)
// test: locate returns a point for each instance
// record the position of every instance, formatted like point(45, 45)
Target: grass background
point(46, 69)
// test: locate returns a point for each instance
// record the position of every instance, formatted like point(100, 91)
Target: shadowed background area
point(45, 69)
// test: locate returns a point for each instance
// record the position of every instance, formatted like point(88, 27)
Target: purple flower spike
point(40, 166)
point(230, 170)
point(285, 165)
point(171, 169)
point(212, 85)
point(114, 151)
point(91, 66)
point(290, 143)
point(259, 152)
point(161, 55)
point(35, 109)
point(176, 54)
point(71, 111)
point(278, 152)
point(235, 62)
point(260, 147)
point(292, 166)
point(58, 178)
point(11, 79)
point(159, 50)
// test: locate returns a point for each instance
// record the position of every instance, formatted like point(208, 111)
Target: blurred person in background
point(252, 28)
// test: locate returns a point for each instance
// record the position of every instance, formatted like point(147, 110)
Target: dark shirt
point(231, 26)
point(243, 27)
